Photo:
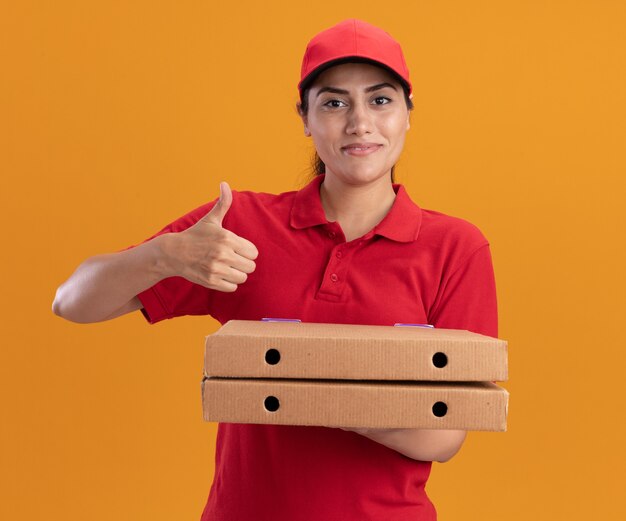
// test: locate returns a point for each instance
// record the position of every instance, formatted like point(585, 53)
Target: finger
point(245, 248)
point(242, 264)
point(225, 279)
point(223, 285)
point(225, 271)
point(234, 276)
point(218, 212)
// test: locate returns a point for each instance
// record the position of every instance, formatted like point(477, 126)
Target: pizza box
point(363, 404)
point(282, 349)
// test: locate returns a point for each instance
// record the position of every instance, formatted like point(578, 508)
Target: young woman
point(350, 247)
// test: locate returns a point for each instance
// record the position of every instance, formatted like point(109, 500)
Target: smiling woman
point(355, 111)
point(381, 99)
point(350, 247)
point(357, 117)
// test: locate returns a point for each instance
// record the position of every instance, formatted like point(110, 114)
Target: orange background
point(117, 117)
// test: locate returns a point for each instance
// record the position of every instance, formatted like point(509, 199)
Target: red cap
point(352, 40)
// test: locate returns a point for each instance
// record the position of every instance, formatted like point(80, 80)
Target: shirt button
point(334, 277)
point(331, 235)
point(339, 255)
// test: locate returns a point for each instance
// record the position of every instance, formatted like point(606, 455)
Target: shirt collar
point(402, 222)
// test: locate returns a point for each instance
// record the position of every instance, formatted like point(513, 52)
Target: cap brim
point(312, 76)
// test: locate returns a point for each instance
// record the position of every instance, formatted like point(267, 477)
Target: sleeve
point(467, 296)
point(176, 296)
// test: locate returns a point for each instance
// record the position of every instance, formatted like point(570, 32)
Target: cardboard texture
point(435, 405)
point(345, 375)
point(254, 349)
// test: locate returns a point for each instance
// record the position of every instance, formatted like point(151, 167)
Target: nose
point(359, 120)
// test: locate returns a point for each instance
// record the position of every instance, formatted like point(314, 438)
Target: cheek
point(395, 130)
point(323, 135)
point(321, 143)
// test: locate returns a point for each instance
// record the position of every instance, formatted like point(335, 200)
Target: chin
point(363, 176)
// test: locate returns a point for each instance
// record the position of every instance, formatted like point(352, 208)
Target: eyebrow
point(335, 90)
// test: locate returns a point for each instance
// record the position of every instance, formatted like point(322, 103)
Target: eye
point(333, 103)
point(382, 100)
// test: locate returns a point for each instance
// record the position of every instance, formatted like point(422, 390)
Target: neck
point(357, 208)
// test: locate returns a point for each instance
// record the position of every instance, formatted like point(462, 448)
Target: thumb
point(217, 213)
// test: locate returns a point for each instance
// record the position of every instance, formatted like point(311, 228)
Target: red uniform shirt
point(415, 266)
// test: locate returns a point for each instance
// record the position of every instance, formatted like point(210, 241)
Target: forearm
point(104, 283)
point(420, 444)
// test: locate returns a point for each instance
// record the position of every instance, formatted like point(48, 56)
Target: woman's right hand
point(210, 255)
point(106, 286)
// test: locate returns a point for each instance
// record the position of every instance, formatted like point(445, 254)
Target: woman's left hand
point(367, 431)
point(354, 429)
point(419, 444)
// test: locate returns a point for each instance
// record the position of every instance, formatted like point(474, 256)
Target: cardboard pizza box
point(258, 349)
point(371, 404)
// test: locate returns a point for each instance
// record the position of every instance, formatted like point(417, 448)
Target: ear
point(307, 132)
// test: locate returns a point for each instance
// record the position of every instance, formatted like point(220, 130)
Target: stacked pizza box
point(343, 375)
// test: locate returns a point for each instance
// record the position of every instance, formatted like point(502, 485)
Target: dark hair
point(317, 164)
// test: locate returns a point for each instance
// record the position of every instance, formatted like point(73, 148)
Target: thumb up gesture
point(209, 255)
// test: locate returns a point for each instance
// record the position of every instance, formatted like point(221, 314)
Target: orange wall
point(117, 117)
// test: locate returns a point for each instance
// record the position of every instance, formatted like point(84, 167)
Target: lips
point(361, 146)
point(361, 149)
